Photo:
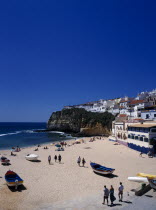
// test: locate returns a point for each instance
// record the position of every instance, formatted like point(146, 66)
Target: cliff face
point(81, 122)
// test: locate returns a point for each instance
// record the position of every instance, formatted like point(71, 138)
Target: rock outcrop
point(79, 122)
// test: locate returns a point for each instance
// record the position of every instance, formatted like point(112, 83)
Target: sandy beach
point(53, 186)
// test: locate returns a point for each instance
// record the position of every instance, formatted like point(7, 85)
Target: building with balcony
point(135, 134)
point(140, 136)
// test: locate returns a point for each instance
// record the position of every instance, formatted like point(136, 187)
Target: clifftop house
point(131, 107)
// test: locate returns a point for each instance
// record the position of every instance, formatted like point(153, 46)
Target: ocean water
point(23, 135)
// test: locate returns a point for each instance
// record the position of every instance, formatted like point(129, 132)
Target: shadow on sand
point(149, 196)
point(35, 161)
point(115, 204)
point(107, 175)
point(4, 164)
point(19, 189)
point(129, 202)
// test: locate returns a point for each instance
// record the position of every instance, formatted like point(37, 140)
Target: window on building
point(154, 115)
point(141, 129)
point(136, 137)
point(153, 130)
point(137, 129)
point(146, 130)
point(147, 116)
point(132, 136)
point(145, 139)
point(129, 136)
point(141, 138)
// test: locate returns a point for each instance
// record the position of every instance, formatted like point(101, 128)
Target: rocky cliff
point(80, 122)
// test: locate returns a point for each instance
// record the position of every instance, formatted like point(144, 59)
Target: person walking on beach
point(141, 154)
point(79, 160)
point(49, 159)
point(106, 195)
point(121, 188)
point(83, 162)
point(112, 197)
point(59, 158)
point(55, 158)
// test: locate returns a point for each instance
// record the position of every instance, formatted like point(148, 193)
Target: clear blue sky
point(60, 52)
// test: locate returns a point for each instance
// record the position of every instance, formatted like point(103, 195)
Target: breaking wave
point(7, 134)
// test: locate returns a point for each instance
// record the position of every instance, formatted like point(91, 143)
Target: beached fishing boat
point(152, 183)
point(101, 169)
point(138, 179)
point(31, 157)
point(150, 176)
point(4, 160)
point(12, 179)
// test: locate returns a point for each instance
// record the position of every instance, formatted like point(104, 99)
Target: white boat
point(152, 183)
point(138, 179)
point(31, 157)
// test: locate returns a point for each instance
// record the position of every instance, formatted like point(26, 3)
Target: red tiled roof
point(138, 119)
point(136, 102)
point(123, 101)
point(122, 115)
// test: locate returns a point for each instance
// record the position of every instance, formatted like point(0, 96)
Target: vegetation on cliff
point(73, 120)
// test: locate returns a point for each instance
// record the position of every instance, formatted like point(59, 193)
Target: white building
point(142, 96)
point(135, 135)
point(97, 106)
point(124, 102)
point(153, 92)
point(129, 106)
point(148, 115)
point(140, 137)
point(135, 107)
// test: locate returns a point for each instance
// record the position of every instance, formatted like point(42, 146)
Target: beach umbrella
point(57, 145)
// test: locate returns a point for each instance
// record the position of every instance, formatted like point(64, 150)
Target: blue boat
point(12, 179)
point(101, 169)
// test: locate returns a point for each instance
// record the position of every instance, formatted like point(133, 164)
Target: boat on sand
point(12, 179)
point(138, 179)
point(101, 169)
point(5, 161)
point(152, 183)
point(146, 175)
point(32, 157)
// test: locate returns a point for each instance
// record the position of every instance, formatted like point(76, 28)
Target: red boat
point(5, 161)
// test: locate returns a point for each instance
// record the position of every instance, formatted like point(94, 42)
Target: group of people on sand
point(17, 149)
point(59, 158)
point(63, 143)
point(110, 193)
point(79, 161)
